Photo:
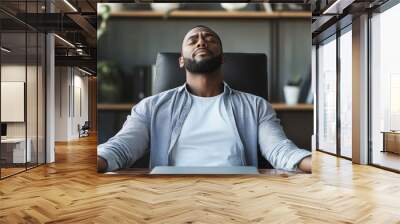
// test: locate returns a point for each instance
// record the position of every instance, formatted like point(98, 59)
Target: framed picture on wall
point(12, 101)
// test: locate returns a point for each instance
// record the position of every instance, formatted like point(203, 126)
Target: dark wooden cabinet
point(297, 122)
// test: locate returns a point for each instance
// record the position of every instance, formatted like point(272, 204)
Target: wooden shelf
point(296, 107)
point(276, 106)
point(214, 14)
point(115, 106)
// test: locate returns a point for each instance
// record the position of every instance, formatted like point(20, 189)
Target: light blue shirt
point(208, 138)
point(155, 124)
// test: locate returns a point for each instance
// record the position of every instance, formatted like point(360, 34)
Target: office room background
point(49, 107)
point(129, 43)
point(22, 106)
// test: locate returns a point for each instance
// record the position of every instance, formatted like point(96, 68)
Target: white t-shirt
point(208, 137)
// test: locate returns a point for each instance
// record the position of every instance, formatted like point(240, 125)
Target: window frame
point(378, 10)
point(333, 37)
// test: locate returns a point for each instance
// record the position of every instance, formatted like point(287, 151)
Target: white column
point(50, 94)
point(360, 90)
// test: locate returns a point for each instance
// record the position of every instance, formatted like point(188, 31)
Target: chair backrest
point(86, 125)
point(245, 72)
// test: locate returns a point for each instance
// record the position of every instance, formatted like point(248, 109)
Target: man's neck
point(207, 85)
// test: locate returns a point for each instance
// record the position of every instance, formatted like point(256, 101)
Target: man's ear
point(181, 64)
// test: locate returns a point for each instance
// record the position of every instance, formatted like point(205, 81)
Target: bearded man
point(203, 122)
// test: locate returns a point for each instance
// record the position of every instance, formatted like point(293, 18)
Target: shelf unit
point(213, 14)
point(115, 106)
point(276, 106)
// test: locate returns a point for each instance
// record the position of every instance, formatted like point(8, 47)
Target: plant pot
point(164, 7)
point(233, 6)
point(267, 7)
point(291, 94)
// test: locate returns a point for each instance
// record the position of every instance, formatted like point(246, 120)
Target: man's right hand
point(101, 165)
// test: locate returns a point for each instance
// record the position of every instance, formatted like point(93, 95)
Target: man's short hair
point(208, 28)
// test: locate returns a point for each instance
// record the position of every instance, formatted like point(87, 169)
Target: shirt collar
point(227, 88)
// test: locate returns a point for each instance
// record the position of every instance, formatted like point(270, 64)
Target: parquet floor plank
point(70, 191)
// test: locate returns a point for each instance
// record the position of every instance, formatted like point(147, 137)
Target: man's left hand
point(305, 164)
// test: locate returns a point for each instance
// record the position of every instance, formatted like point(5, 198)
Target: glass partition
point(385, 89)
point(22, 88)
point(327, 95)
point(346, 93)
point(14, 153)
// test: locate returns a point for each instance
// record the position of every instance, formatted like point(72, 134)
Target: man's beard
point(204, 66)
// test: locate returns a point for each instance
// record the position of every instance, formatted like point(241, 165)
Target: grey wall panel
point(136, 42)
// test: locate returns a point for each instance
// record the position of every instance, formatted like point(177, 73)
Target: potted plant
point(109, 81)
point(109, 76)
point(292, 89)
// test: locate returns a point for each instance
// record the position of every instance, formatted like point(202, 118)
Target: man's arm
point(305, 165)
point(281, 152)
point(129, 144)
point(101, 165)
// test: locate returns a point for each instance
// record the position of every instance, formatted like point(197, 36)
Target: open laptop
point(204, 170)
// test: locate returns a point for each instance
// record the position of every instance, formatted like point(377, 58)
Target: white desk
point(16, 147)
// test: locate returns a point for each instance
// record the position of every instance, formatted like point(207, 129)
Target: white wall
point(70, 83)
point(14, 72)
point(61, 103)
point(17, 73)
point(33, 126)
point(79, 97)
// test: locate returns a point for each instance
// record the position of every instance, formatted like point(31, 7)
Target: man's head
point(201, 51)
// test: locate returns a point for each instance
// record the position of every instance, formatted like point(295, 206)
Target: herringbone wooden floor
point(70, 191)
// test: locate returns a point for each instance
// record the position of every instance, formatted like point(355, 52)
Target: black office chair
point(84, 130)
point(245, 72)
